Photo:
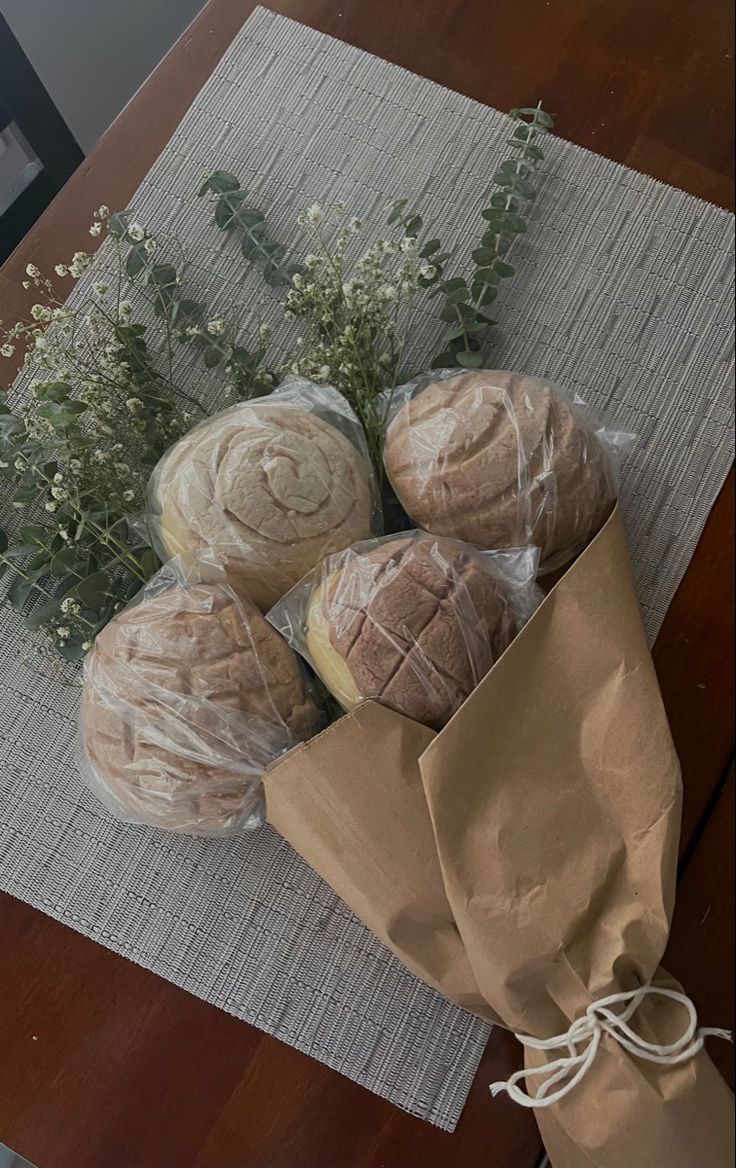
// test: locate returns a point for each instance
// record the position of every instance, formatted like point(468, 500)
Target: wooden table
point(104, 1065)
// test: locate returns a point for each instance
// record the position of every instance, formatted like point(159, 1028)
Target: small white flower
point(7, 350)
point(311, 261)
point(132, 404)
point(408, 244)
point(63, 633)
point(128, 496)
point(58, 477)
point(103, 212)
point(125, 308)
point(41, 344)
point(19, 463)
point(50, 506)
point(80, 263)
point(95, 229)
point(26, 284)
point(136, 232)
point(40, 312)
point(354, 226)
point(150, 245)
point(427, 271)
point(314, 213)
point(216, 327)
point(74, 465)
point(387, 292)
point(265, 332)
point(100, 289)
point(86, 644)
point(323, 372)
point(61, 270)
point(58, 493)
point(32, 271)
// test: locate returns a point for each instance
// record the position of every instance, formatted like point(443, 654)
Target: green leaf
point(117, 224)
point(19, 591)
point(52, 391)
point(212, 356)
point(219, 182)
point(504, 270)
point(522, 186)
point(43, 613)
point(483, 256)
point(453, 284)
point(414, 226)
point(484, 293)
point(93, 589)
point(63, 560)
point(540, 116)
point(397, 210)
point(458, 295)
point(444, 360)
point(40, 560)
point(469, 360)
point(72, 650)
point(34, 533)
point(136, 260)
point(510, 170)
point(530, 151)
point(189, 312)
point(26, 493)
point(226, 216)
point(162, 275)
point(19, 551)
point(3, 541)
point(430, 247)
point(501, 202)
point(150, 562)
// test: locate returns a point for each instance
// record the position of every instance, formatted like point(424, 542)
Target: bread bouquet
point(500, 799)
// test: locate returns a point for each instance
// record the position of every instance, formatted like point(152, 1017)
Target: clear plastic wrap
point(502, 460)
point(414, 621)
point(188, 695)
point(274, 484)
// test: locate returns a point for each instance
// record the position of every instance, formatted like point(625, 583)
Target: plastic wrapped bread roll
point(413, 621)
point(274, 484)
point(188, 695)
point(501, 460)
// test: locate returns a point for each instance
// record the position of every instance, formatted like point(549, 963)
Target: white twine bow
point(599, 1019)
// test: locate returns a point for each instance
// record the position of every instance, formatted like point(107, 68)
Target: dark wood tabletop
point(104, 1065)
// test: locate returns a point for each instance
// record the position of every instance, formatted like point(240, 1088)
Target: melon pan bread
point(188, 695)
point(501, 460)
point(271, 485)
point(415, 623)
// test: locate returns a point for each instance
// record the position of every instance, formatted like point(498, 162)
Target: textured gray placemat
point(622, 293)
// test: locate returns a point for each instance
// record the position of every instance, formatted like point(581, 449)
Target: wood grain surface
point(105, 1064)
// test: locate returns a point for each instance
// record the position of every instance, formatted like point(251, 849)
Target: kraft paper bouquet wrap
point(523, 862)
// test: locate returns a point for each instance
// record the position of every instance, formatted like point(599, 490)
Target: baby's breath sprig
point(357, 307)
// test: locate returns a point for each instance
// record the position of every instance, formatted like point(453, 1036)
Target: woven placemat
point(623, 293)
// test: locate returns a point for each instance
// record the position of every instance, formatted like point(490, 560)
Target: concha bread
point(188, 696)
point(272, 486)
point(415, 622)
point(500, 460)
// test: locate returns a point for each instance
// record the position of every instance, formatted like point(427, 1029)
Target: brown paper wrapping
point(523, 860)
